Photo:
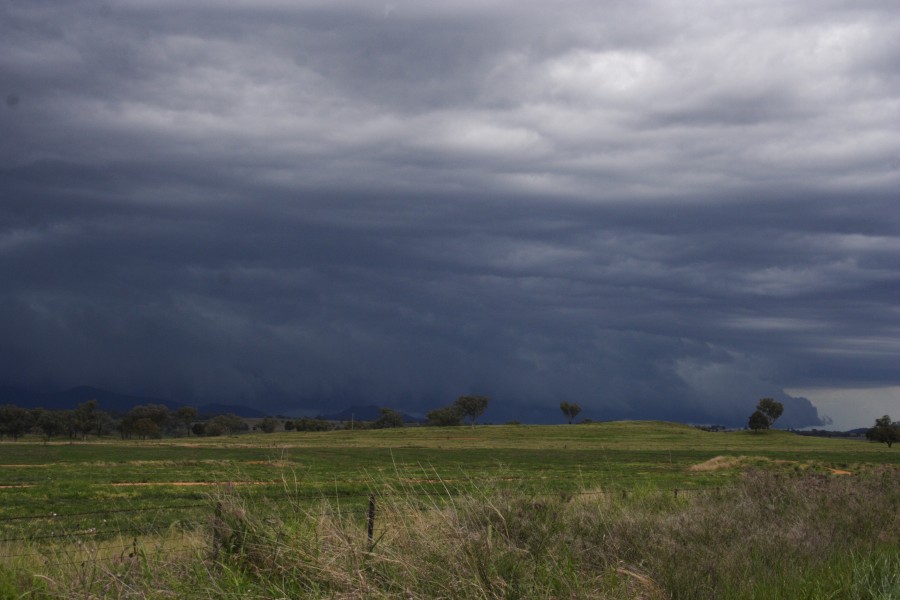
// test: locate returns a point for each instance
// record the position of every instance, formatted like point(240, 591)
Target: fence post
point(217, 536)
point(371, 529)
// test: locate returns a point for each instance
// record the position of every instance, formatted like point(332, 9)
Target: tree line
point(157, 420)
point(465, 408)
point(142, 421)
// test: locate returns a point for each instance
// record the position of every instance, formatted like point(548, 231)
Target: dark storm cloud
point(654, 210)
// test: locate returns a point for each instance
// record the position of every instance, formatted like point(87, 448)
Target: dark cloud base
point(655, 211)
point(412, 301)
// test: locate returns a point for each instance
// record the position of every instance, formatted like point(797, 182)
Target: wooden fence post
point(371, 519)
point(217, 533)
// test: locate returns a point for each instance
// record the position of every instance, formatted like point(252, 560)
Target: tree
point(186, 415)
point(448, 416)
point(570, 411)
point(268, 425)
point(771, 409)
point(222, 424)
point(105, 423)
point(14, 421)
point(87, 417)
point(48, 422)
point(472, 407)
point(158, 413)
point(67, 420)
point(884, 431)
point(146, 427)
point(307, 424)
point(388, 419)
point(758, 421)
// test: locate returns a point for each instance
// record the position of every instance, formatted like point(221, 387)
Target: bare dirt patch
point(735, 462)
point(718, 463)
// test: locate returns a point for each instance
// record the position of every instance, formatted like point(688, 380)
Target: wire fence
point(169, 518)
point(178, 529)
point(340, 495)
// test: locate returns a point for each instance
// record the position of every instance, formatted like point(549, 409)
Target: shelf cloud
point(654, 209)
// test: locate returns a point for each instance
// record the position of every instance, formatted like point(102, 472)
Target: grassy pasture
point(64, 478)
point(107, 496)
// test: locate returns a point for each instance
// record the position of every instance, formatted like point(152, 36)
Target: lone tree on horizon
point(388, 419)
point(447, 416)
point(570, 411)
point(885, 431)
point(472, 407)
point(766, 413)
point(771, 409)
point(758, 421)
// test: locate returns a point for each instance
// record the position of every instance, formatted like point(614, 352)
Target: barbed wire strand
point(359, 495)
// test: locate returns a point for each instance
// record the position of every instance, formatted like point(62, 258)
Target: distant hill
point(68, 399)
point(111, 402)
point(209, 410)
point(365, 413)
point(11, 395)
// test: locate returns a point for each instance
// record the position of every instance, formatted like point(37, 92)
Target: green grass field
point(112, 494)
point(72, 477)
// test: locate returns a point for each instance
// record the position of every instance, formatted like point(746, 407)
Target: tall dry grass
point(771, 536)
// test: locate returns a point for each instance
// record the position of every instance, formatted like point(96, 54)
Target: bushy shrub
point(306, 424)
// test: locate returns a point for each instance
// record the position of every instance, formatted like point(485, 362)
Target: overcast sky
point(655, 209)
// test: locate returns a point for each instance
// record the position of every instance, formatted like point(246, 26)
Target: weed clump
point(772, 535)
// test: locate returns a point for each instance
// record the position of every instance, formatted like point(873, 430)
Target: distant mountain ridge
point(111, 402)
point(369, 412)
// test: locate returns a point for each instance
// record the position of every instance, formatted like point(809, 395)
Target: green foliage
point(472, 407)
point(225, 425)
point(447, 416)
point(87, 418)
point(771, 409)
point(186, 415)
point(758, 421)
point(307, 424)
point(145, 427)
point(14, 421)
point(387, 419)
point(884, 431)
point(767, 412)
point(268, 425)
point(9, 586)
point(157, 414)
point(570, 410)
point(48, 422)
